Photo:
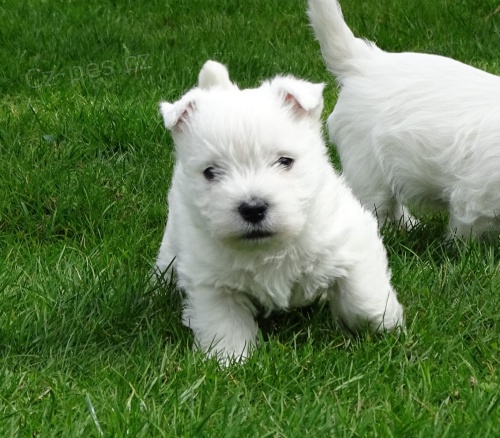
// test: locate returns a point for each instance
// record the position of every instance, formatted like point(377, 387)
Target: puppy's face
point(247, 160)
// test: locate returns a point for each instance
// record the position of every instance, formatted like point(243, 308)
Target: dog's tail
point(340, 48)
point(214, 74)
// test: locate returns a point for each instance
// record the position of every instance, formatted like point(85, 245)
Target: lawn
point(91, 345)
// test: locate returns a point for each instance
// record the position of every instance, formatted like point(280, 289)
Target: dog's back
point(411, 127)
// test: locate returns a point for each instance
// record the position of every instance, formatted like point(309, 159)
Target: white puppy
point(412, 128)
point(258, 217)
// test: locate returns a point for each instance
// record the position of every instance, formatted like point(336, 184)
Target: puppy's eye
point(285, 162)
point(209, 173)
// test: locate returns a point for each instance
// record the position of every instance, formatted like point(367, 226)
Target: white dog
point(258, 217)
point(415, 129)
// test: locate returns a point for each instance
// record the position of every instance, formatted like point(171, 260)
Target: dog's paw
point(226, 355)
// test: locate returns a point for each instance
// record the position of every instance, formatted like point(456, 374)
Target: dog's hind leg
point(368, 184)
point(381, 203)
point(458, 228)
point(402, 217)
point(484, 227)
point(474, 213)
point(388, 209)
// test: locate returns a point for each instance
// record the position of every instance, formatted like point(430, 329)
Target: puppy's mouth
point(256, 235)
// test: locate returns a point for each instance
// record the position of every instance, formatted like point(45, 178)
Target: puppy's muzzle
point(253, 211)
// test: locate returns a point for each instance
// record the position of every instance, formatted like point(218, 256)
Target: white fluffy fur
point(322, 239)
point(412, 128)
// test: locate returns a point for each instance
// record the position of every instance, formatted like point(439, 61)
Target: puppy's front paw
point(223, 324)
point(228, 355)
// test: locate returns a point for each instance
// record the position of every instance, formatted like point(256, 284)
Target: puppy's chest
point(282, 287)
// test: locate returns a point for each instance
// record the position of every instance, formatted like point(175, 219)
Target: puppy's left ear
point(177, 114)
point(304, 98)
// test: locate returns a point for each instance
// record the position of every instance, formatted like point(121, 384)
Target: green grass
point(89, 346)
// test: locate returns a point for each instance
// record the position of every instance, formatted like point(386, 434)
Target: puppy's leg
point(222, 321)
point(472, 213)
point(483, 227)
point(381, 203)
point(365, 299)
point(388, 209)
point(459, 228)
point(366, 179)
point(372, 190)
point(402, 217)
point(375, 195)
point(165, 259)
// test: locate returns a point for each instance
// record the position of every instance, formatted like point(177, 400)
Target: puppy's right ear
point(178, 113)
point(302, 97)
point(214, 74)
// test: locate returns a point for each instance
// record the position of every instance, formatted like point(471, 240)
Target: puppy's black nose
point(253, 211)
